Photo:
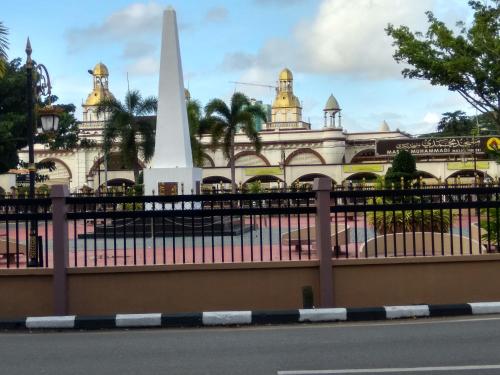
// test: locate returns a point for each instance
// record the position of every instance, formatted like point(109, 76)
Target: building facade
point(292, 152)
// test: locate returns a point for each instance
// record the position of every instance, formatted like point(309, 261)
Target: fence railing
point(17, 218)
point(188, 229)
point(418, 222)
point(222, 228)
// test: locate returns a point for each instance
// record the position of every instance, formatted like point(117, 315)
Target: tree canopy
point(225, 121)
point(13, 121)
point(464, 59)
point(129, 127)
point(404, 166)
point(4, 45)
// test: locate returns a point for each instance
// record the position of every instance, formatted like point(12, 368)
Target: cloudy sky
point(332, 46)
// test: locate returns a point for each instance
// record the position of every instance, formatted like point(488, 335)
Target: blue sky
point(331, 46)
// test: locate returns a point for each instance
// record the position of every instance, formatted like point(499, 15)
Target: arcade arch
point(304, 156)
point(249, 159)
point(60, 175)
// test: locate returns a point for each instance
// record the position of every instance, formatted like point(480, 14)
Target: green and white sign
point(355, 168)
point(263, 171)
point(456, 166)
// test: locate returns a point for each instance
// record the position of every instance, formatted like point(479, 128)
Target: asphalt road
point(445, 346)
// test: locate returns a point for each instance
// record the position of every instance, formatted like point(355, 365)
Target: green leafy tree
point(4, 45)
point(225, 121)
point(465, 61)
point(197, 126)
point(455, 124)
point(67, 135)
point(403, 166)
point(129, 127)
point(8, 150)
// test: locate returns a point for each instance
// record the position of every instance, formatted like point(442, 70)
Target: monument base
point(172, 181)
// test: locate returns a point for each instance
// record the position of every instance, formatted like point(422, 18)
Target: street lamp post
point(49, 116)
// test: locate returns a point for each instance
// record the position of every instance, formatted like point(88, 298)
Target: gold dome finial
point(100, 70)
point(286, 75)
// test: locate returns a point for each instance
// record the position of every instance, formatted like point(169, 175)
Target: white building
point(292, 151)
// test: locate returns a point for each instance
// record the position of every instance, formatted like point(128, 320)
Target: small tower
point(286, 107)
point(100, 91)
point(330, 112)
point(384, 127)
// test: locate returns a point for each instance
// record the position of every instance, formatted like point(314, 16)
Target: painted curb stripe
point(395, 312)
point(218, 318)
point(275, 317)
point(212, 318)
point(182, 320)
point(485, 308)
point(50, 322)
point(450, 310)
point(12, 324)
point(95, 322)
point(322, 315)
point(369, 313)
point(138, 320)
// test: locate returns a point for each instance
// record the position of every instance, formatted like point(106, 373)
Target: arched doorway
point(211, 183)
point(362, 180)
point(61, 174)
point(266, 182)
point(306, 181)
point(427, 178)
point(113, 167)
point(467, 177)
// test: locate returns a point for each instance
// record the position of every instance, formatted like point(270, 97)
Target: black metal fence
point(230, 228)
point(17, 218)
point(190, 229)
point(416, 222)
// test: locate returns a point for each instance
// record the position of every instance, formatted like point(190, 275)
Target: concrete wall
point(439, 280)
point(25, 292)
point(191, 288)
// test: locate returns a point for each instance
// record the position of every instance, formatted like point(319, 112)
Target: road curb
point(237, 318)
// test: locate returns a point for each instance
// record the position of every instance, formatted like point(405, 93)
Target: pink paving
point(188, 255)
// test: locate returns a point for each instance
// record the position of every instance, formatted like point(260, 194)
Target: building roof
point(332, 104)
point(384, 127)
point(286, 75)
point(100, 70)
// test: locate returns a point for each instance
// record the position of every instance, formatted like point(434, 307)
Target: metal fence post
point(60, 248)
point(323, 187)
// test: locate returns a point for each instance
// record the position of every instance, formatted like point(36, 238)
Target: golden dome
point(286, 100)
point(97, 95)
point(286, 75)
point(100, 70)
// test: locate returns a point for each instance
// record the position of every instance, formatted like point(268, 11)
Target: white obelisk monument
point(171, 169)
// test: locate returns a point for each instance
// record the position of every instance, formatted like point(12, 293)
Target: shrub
point(254, 187)
point(491, 225)
point(407, 221)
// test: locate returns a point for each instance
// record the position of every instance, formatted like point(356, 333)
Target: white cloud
point(431, 118)
point(216, 14)
point(138, 49)
point(147, 65)
point(345, 37)
point(132, 21)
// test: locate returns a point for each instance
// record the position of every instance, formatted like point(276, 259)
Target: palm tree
point(128, 125)
point(197, 126)
point(4, 45)
point(226, 121)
